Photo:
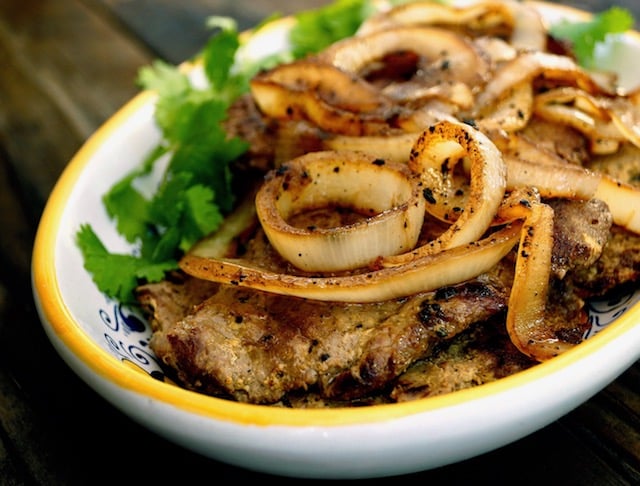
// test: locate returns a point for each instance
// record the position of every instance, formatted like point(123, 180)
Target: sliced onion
point(469, 206)
point(512, 112)
point(388, 194)
point(529, 31)
point(526, 312)
point(529, 292)
point(332, 99)
point(421, 274)
point(417, 93)
point(626, 116)
point(606, 123)
point(397, 144)
point(530, 65)
point(479, 16)
point(623, 201)
point(457, 58)
point(575, 182)
point(395, 147)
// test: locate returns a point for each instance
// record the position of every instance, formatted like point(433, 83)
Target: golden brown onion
point(529, 292)
point(332, 99)
point(456, 57)
point(421, 274)
point(531, 65)
point(478, 16)
point(386, 194)
point(469, 202)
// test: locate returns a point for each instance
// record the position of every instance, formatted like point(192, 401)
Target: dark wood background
point(65, 67)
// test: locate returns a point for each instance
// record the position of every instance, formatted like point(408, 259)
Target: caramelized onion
point(421, 274)
point(477, 16)
point(463, 62)
point(530, 287)
point(530, 65)
point(469, 206)
point(512, 112)
point(386, 193)
point(606, 122)
point(394, 147)
point(524, 23)
point(575, 182)
point(332, 99)
point(529, 292)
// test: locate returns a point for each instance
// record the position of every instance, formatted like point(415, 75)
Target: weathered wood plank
point(55, 91)
point(186, 33)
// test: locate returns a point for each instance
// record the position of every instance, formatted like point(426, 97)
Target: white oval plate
point(108, 347)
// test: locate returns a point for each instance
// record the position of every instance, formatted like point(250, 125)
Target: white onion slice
point(528, 66)
point(529, 292)
point(458, 58)
point(575, 182)
point(388, 194)
point(470, 207)
point(330, 98)
point(479, 15)
point(421, 274)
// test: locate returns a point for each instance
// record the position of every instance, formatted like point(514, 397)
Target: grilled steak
point(256, 347)
point(480, 355)
point(581, 230)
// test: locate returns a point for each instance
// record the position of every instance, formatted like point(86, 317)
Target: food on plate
point(425, 206)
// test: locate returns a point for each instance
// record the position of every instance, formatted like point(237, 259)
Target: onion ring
point(457, 57)
point(530, 65)
point(332, 99)
point(387, 193)
point(434, 156)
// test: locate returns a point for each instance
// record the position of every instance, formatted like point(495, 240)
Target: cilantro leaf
point(316, 29)
point(585, 36)
point(194, 191)
point(117, 275)
point(219, 53)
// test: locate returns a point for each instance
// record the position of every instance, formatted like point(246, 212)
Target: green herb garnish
point(584, 37)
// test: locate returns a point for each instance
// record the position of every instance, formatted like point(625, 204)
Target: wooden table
point(66, 66)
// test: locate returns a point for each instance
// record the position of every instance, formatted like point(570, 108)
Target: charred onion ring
point(464, 64)
point(327, 96)
point(530, 288)
point(386, 193)
point(526, 67)
point(527, 29)
point(435, 156)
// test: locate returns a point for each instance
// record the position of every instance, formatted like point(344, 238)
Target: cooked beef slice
point(618, 265)
point(256, 347)
point(480, 355)
point(581, 230)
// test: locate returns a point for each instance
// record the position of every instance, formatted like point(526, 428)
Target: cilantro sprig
point(195, 191)
point(585, 36)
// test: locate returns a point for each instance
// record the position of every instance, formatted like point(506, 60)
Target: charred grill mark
point(428, 195)
point(430, 313)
